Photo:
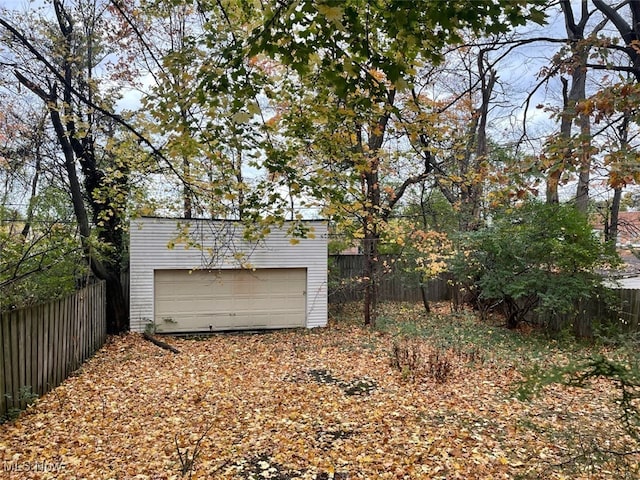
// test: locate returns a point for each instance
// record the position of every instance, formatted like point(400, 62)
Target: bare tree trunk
point(374, 213)
point(371, 185)
point(582, 191)
point(424, 291)
point(611, 234)
point(477, 150)
point(187, 205)
point(571, 96)
point(370, 274)
point(34, 182)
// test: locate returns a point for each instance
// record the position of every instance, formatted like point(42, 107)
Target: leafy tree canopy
point(539, 257)
point(346, 39)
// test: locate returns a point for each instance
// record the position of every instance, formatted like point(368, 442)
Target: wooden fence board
point(87, 329)
point(66, 325)
point(61, 352)
point(72, 337)
point(102, 307)
point(22, 354)
point(34, 351)
point(78, 334)
point(55, 345)
point(635, 302)
point(19, 351)
point(15, 358)
point(62, 333)
point(5, 383)
point(26, 354)
point(42, 345)
point(395, 284)
point(85, 306)
point(82, 325)
point(28, 346)
point(90, 310)
point(51, 343)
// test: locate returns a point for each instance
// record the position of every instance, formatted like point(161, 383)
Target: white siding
point(149, 251)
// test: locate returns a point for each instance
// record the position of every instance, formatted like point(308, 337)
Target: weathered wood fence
point(40, 346)
point(621, 311)
point(629, 313)
point(395, 282)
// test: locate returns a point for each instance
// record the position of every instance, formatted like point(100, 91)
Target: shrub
point(537, 257)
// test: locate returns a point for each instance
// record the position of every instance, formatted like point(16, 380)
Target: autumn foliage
point(310, 404)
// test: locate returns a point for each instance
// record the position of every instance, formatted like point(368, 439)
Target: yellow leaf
point(241, 117)
point(333, 14)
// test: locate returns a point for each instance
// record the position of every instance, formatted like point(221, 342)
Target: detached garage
point(190, 276)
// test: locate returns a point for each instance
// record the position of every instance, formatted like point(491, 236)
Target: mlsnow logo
point(44, 466)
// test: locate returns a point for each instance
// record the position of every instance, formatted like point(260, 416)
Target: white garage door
point(209, 300)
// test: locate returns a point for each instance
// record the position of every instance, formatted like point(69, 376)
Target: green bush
point(534, 258)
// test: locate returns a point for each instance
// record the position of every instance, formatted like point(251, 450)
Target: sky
point(519, 71)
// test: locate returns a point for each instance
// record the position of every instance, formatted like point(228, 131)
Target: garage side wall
point(149, 250)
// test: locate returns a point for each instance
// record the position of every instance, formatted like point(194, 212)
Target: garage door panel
point(203, 323)
point(229, 299)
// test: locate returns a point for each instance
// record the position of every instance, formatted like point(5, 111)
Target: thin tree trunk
point(425, 296)
point(371, 280)
point(34, 191)
point(186, 191)
point(611, 236)
point(371, 240)
point(374, 213)
point(239, 178)
point(582, 191)
point(611, 233)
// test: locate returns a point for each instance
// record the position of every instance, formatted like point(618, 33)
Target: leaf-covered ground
point(318, 404)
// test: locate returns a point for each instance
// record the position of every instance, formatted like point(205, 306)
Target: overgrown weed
point(463, 332)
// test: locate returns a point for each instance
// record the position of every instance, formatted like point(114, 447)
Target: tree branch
point(619, 22)
point(115, 117)
point(160, 343)
point(399, 192)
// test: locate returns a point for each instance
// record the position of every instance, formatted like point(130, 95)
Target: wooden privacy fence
point(629, 314)
point(614, 311)
point(395, 282)
point(620, 311)
point(40, 346)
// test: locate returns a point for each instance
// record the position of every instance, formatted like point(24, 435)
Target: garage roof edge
point(199, 219)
